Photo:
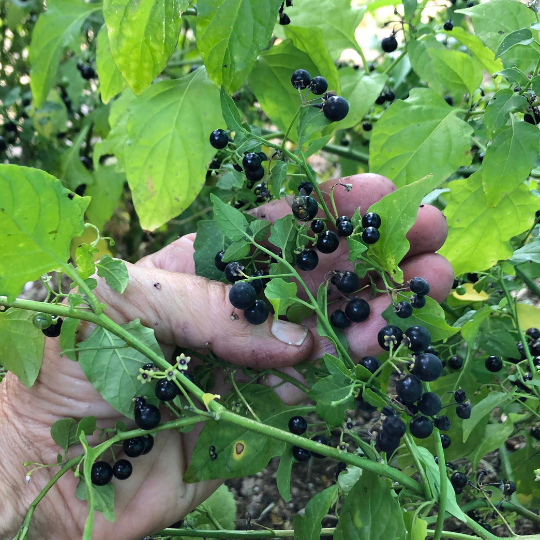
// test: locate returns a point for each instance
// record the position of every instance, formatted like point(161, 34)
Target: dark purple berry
point(317, 226)
point(427, 367)
point(53, 331)
point(419, 285)
point(133, 447)
point(166, 390)
point(147, 416)
point(460, 396)
point(463, 411)
point(327, 242)
point(403, 310)
point(455, 362)
point(389, 335)
point(257, 313)
point(298, 425)
point(357, 310)
point(418, 301)
point(418, 338)
point(409, 389)
point(371, 219)
point(305, 188)
point(122, 469)
point(234, 271)
point(300, 79)
point(148, 441)
point(371, 363)
point(458, 480)
point(442, 423)
point(219, 139)
point(348, 283)
point(242, 295)
point(321, 439)
point(251, 162)
point(256, 175)
point(370, 235)
point(445, 441)
point(493, 364)
point(429, 404)
point(394, 426)
point(385, 443)
point(339, 319)
point(301, 454)
point(318, 85)
point(389, 44)
point(345, 228)
point(421, 427)
point(307, 260)
point(101, 473)
point(335, 108)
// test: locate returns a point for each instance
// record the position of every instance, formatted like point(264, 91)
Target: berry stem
point(286, 136)
point(444, 483)
point(238, 535)
point(395, 62)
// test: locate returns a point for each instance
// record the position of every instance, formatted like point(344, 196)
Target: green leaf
point(111, 82)
point(230, 36)
point(208, 243)
point(419, 53)
point(237, 250)
point(370, 512)
point(416, 527)
point(398, 211)
point(407, 140)
point(103, 498)
point(283, 235)
point(298, 312)
point(518, 37)
point(497, 336)
point(470, 329)
point(338, 31)
point(230, 112)
point(84, 257)
point(431, 317)
point(115, 273)
point(514, 75)
point(310, 40)
point(457, 71)
point(499, 108)
point(348, 478)
point(64, 433)
point(495, 435)
point(67, 337)
point(113, 368)
point(334, 396)
point(142, 36)
point(280, 294)
point(372, 398)
point(356, 249)
point(54, 30)
point(231, 221)
point(240, 451)
point(74, 173)
point(37, 222)
point(259, 229)
point(477, 48)
point(361, 91)
point(87, 426)
point(105, 192)
point(310, 121)
point(409, 7)
point(277, 177)
point(168, 151)
point(335, 366)
point(530, 252)
point(309, 526)
point(482, 409)
point(223, 508)
point(509, 160)
point(231, 180)
point(465, 247)
point(283, 474)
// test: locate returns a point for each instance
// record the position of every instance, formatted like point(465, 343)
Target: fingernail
point(292, 334)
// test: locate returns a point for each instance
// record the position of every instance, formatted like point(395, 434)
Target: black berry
point(284, 19)
point(533, 333)
point(148, 442)
point(327, 242)
point(458, 480)
point(366, 126)
point(418, 301)
point(301, 454)
point(418, 338)
point(341, 219)
point(371, 219)
point(317, 226)
point(535, 433)
point(335, 108)
point(251, 162)
point(460, 396)
point(421, 427)
point(370, 235)
point(450, 101)
point(419, 285)
point(53, 331)
point(448, 26)
point(234, 271)
point(493, 364)
point(242, 295)
point(389, 96)
point(409, 389)
point(307, 260)
point(101, 473)
point(388, 411)
point(305, 188)
point(255, 175)
point(371, 363)
point(318, 85)
point(381, 99)
point(219, 139)
point(348, 283)
point(147, 416)
point(339, 319)
point(122, 469)
point(345, 228)
point(394, 426)
point(455, 362)
point(429, 404)
point(509, 488)
point(357, 310)
point(388, 335)
point(445, 440)
point(385, 443)
point(298, 425)
point(427, 367)
point(389, 44)
point(86, 71)
point(403, 310)
point(463, 411)
point(166, 390)
point(442, 423)
point(300, 79)
point(257, 313)
point(133, 447)
point(363, 405)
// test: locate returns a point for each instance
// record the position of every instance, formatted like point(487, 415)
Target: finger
point(193, 312)
point(176, 257)
point(429, 231)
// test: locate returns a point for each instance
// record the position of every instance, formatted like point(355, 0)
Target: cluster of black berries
point(334, 107)
point(49, 325)
point(298, 425)
point(284, 19)
point(420, 287)
point(384, 97)
point(87, 72)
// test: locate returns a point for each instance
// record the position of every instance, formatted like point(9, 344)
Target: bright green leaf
point(457, 71)
point(230, 112)
point(520, 37)
point(334, 396)
point(499, 108)
point(280, 294)
point(111, 82)
point(277, 177)
point(482, 409)
point(530, 252)
point(310, 121)
point(495, 435)
point(68, 334)
point(103, 498)
point(223, 508)
point(231, 221)
point(84, 257)
point(208, 242)
point(283, 236)
point(105, 192)
point(283, 474)
point(64, 433)
point(115, 273)
point(419, 53)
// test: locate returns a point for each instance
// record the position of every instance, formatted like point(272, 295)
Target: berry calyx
point(357, 310)
point(371, 363)
point(101, 473)
point(307, 260)
point(133, 447)
point(421, 427)
point(257, 313)
point(298, 425)
point(493, 363)
point(460, 396)
point(389, 44)
point(345, 228)
point(219, 139)
point(339, 319)
point(455, 362)
point(335, 108)
point(300, 79)
point(53, 331)
point(234, 271)
point(42, 320)
point(147, 416)
point(304, 208)
point(427, 367)
point(301, 454)
point(370, 235)
point(403, 310)
point(242, 295)
point(251, 162)
point(317, 226)
point(429, 404)
point(389, 335)
point(371, 219)
point(442, 423)
point(348, 283)
point(448, 26)
point(418, 338)
point(318, 85)
point(409, 389)
point(122, 469)
point(166, 390)
point(418, 301)
point(419, 285)
point(458, 480)
point(327, 242)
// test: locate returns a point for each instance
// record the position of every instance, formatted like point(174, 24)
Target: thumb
point(193, 312)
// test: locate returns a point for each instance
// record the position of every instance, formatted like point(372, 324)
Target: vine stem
point(395, 62)
point(531, 284)
point(409, 443)
point(444, 485)
point(247, 535)
point(286, 136)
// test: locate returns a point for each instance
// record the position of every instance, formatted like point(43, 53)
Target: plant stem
point(451, 534)
point(224, 534)
point(347, 153)
point(444, 485)
point(395, 62)
point(412, 450)
point(531, 284)
point(286, 136)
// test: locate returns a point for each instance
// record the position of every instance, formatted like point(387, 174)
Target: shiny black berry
point(394, 426)
point(363, 405)
point(318, 85)
point(251, 161)
point(166, 390)
point(421, 427)
point(533, 333)
point(389, 44)
point(450, 101)
point(234, 271)
point(242, 295)
point(257, 313)
point(371, 363)
point(53, 331)
point(419, 285)
point(307, 260)
point(339, 319)
point(341, 219)
point(418, 338)
point(460, 396)
point(493, 363)
point(284, 19)
point(305, 188)
point(388, 335)
point(317, 226)
point(409, 389)
point(366, 126)
point(389, 96)
point(133, 447)
point(357, 310)
point(448, 26)
point(381, 99)
point(403, 310)
point(300, 454)
point(300, 79)
point(445, 441)
point(348, 283)
point(427, 367)
point(321, 439)
point(335, 108)
point(385, 443)
point(370, 235)
point(442, 423)
point(371, 219)
point(418, 301)
point(255, 175)
point(219, 139)
point(101, 473)
point(388, 411)
point(463, 410)
point(429, 404)
point(458, 480)
point(147, 416)
point(87, 72)
point(327, 242)
point(455, 362)
point(148, 441)
point(298, 425)
point(122, 469)
point(304, 208)
point(345, 228)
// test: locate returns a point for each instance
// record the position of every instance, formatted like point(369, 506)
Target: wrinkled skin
point(186, 311)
